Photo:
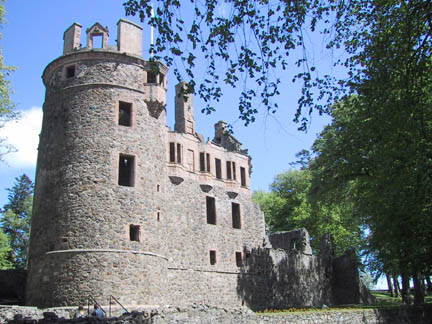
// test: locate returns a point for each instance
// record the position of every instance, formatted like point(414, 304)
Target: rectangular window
point(191, 160)
point(134, 233)
point(243, 176)
point(234, 170)
point(228, 170)
point(126, 170)
point(172, 152)
point(212, 257)
point(161, 79)
point(236, 220)
point(125, 114)
point(179, 153)
point(211, 210)
point(218, 169)
point(70, 71)
point(151, 77)
point(239, 261)
point(208, 162)
point(202, 161)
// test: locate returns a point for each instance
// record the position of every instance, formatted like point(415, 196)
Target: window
point(212, 257)
point(243, 176)
point(158, 216)
point(234, 170)
point(97, 40)
point(211, 210)
point(126, 170)
point(239, 261)
point(236, 220)
point(161, 79)
point(172, 152)
point(125, 114)
point(70, 71)
point(134, 233)
point(204, 162)
point(178, 153)
point(151, 77)
point(208, 162)
point(218, 169)
point(228, 170)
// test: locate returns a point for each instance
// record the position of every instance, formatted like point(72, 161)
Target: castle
point(125, 206)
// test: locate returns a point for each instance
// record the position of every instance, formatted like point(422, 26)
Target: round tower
point(101, 161)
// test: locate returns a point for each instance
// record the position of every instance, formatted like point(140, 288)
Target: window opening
point(208, 162)
point(70, 71)
point(126, 170)
point(218, 169)
point(234, 170)
point(239, 261)
point(228, 170)
point(243, 176)
point(211, 210)
point(212, 257)
point(151, 77)
point(125, 113)
point(236, 220)
point(191, 160)
point(134, 233)
point(161, 79)
point(97, 41)
point(158, 188)
point(178, 153)
point(202, 162)
point(158, 216)
point(172, 152)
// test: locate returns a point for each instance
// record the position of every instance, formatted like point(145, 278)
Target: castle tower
point(184, 110)
point(99, 174)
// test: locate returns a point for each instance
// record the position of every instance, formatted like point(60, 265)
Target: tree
point(15, 220)
point(289, 206)
point(4, 252)
point(245, 43)
point(6, 107)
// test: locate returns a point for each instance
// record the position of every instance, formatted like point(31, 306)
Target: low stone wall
point(202, 314)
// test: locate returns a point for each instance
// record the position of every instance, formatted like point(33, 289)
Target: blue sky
point(33, 37)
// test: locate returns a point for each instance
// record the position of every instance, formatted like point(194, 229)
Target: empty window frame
point(151, 77)
point(243, 176)
point(239, 260)
point(179, 159)
point(204, 162)
point(212, 257)
point(236, 219)
point(228, 170)
point(70, 71)
point(97, 40)
point(218, 169)
point(211, 210)
point(172, 152)
point(231, 170)
point(125, 114)
point(126, 170)
point(134, 233)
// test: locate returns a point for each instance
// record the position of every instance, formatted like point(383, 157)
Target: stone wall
point(202, 314)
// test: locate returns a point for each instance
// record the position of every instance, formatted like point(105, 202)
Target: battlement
point(129, 38)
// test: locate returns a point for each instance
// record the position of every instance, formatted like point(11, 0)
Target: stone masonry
point(126, 206)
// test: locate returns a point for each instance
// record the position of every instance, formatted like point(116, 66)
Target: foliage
point(15, 220)
point(4, 252)
point(6, 107)
point(289, 206)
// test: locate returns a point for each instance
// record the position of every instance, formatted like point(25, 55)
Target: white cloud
point(23, 134)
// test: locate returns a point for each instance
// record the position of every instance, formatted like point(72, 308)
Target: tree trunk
point(396, 286)
point(389, 285)
point(419, 293)
point(405, 293)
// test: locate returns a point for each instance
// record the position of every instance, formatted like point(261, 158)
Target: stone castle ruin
point(125, 206)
